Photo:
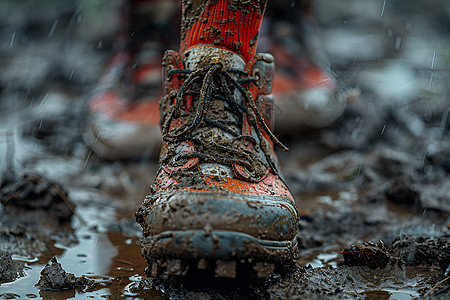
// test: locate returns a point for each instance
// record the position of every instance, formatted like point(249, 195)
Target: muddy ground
point(380, 172)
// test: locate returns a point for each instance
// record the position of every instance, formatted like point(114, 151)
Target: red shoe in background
point(123, 111)
point(121, 123)
point(307, 93)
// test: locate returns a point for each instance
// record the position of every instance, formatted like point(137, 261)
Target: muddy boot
point(123, 110)
point(218, 202)
point(308, 93)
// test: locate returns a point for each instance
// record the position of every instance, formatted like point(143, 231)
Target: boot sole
point(224, 252)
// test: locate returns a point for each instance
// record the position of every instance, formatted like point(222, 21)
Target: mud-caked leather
point(218, 193)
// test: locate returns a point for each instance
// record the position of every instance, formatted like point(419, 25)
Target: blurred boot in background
point(123, 113)
point(307, 93)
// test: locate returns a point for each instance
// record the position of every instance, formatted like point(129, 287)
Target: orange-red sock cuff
point(224, 24)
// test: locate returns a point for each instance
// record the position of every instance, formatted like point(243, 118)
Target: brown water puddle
point(112, 259)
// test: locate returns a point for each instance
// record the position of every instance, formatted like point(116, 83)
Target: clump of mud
point(34, 213)
point(10, 270)
point(341, 282)
point(422, 251)
point(369, 254)
point(54, 277)
point(33, 192)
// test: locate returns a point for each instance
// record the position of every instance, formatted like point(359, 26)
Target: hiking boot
point(218, 202)
point(308, 94)
point(116, 120)
point(123, 112)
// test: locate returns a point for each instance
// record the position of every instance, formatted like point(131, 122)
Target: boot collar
point(203, 56)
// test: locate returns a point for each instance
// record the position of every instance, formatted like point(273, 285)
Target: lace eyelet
point(257, 75)
point(167, 70)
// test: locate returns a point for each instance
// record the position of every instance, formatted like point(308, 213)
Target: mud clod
point(422, 251)
point(9, 269)
point(34, 192)
point(54, 277)
point(368, 254)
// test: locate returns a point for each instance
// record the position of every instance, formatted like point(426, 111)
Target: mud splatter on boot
point(218, 202)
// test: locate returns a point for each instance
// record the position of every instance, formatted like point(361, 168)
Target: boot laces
point(218, 83)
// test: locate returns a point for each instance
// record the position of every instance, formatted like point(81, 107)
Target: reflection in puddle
point(107, 257)
point(108, 252)
point(391, 294)
point(325, 260)
point(401, 294)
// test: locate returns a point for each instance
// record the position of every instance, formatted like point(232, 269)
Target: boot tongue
point(204, 56)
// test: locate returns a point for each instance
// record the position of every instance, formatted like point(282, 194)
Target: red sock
point(224, 24)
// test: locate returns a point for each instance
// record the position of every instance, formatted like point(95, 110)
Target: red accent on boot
point(223, 26)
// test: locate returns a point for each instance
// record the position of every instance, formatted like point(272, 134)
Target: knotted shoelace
point(218, 83)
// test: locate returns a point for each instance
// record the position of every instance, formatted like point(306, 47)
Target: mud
point(35, 213)
point(10, 270)
point(369, 254)
point(53, 277)
point(380, 172)
point(34, 192)
point(423, 251)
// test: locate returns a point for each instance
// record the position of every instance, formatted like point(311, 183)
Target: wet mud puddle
point(100, 244)
point(110, 258)
point(393, 283)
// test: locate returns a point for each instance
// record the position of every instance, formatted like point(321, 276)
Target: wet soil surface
point(380, 172)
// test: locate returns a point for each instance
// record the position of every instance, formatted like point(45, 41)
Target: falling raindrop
point(87, 159)
point(433, 60)
point(40, 123)
point(99, 44)
point(12, 39)
point(71, 74)
point(383, 129)
point(424, 156)
point(382, 9)
point(52, 30)
point(431, 81)
point(98, 135)
point(43, 100)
